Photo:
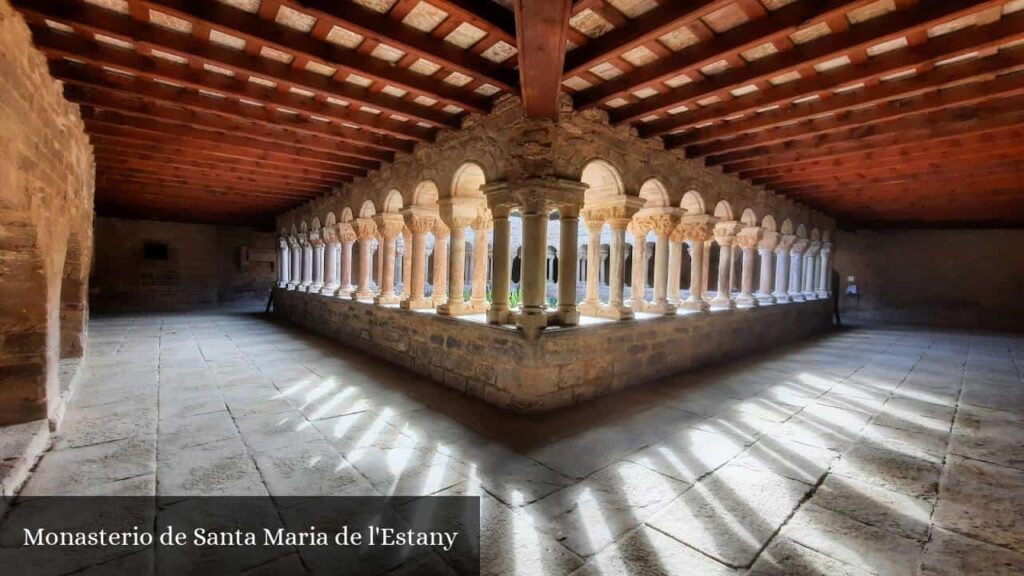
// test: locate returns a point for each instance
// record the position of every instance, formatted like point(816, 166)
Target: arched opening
point(692, 203)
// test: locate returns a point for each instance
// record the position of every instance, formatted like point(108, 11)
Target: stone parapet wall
point(564, 366)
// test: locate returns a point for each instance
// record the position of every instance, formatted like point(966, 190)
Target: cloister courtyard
point(591, 287)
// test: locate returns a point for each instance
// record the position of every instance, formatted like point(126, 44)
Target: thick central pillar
point(366, 232)
point(389, 226)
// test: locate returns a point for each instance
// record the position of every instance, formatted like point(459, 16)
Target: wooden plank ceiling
point(874, 111)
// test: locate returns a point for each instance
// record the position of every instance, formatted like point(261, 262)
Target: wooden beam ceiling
point(872, 110)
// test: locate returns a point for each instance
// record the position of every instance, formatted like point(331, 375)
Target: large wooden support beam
point(541, 26)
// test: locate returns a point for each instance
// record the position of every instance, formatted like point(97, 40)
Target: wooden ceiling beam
point(121, 159)
point(1007, 162)
point(114, 135)
point(61, 45)
point(937, 78)
point(1004, 113)
point(97, 20)
point(186, 157)
point(195, 177)
point(215, 114)
point(253, 28)
point(541, 26)
point(782, 22)
point(381, 28)
point(928, 109)
point(197, 191)
point(152, 130)
point(889, 146)
point(951, 45)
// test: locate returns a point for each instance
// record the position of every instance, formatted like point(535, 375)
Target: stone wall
point(564, 366)
point(204, 265)
point(46, 197)
point(954, 278)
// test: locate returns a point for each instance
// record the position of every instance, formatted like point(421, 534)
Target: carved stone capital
point(293, 242)
point(749, 237)
point(639, 226)
point(441, 230)
point(483, 222)
point(785, 243)
point(365, 228)
point(725, 232)
point(678, 234)
point(593, 224)
point(799, 246)
point(330, 235)
point(769, 241)
point(697, 228)
point(346, 234)
point(389, 225)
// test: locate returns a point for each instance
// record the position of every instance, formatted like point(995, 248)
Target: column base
point(810, 295)
point(458, 308)
point(589, 307)
point(765, 299)
point(781, 298)
point(498, 315)
point(303, 288)
point(532, 324)
point(385, 299)
point(698, 304)
point(747, 301)
point(362, 295)
point(823, 294)
point(667, 308)
point(796, 297)
point(723, 303)
point(329, 290)
point(315, 288)
point(637, 305)
point(616, 312)
point(416, 304)
point(479, 305)
point(567, 316)
point(345, 292)
point(282, 284)
point(291, 286)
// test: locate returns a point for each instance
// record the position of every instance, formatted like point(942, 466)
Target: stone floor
point(869, 451)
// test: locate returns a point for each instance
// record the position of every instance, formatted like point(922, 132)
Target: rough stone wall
point(954, 278)
point(46, 197)
point(509, 147)
point(203, 267)
point(564, 366)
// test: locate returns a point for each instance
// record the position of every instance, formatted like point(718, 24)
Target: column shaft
point(567, 312)
point(479, 297)
point(502, 269)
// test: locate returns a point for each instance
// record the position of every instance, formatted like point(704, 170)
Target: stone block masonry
point(562, 367)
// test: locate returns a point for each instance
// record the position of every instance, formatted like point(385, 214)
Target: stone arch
point(815, 235)
point(392, 202)
point(692, 203)
point(748, 218)
point(468, 179)
point(367, 210)
point(826, 236)
point(768, 223)
point(425, 195)
point(801, 231)
point(303, 227)
point(723, 211)
point(315, 227)
point(604, 181)
point(787, 227)
point(330, 220)
point(346, 214)
point(654, 194)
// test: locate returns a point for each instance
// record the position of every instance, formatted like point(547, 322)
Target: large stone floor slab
point(865, 452)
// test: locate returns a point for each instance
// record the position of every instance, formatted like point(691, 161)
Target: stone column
point(532, 277)
point(389, 226)
point(366, 232)
point(307, 265)
point(810, 270)
point(796, 258)
point(725, 235)
point(441, 234)
point(638, 228)
point(592, 302)
point(283, 263)
point(616, 307)
point(663, 225)
point(697, 230)
point(478, 300)
point(406, 261)
point(502, 273)
point(825, 273)
point(747, 240)
point(331, 282)
point(675, 266)
point(295, 278)
point(419, 222)
point(458, 214)
point(602, 271)
point(781, 294)
point(569, 219)
point(319, 253)
point(766, 249)
point(347, 236)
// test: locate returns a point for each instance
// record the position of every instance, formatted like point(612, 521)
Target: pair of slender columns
point(725, 235)
point(419, 223)
point(441, 238)
point(796, 270)
point(591, 302)
point(825, 271)
point(284, 267)
point(295, 278)
point(697, 231)
point(388, 228)
point(782, 260)
point(366, 232)
point(638, 229)
point(746, 242)
point(307, 266)
point(766, 250)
